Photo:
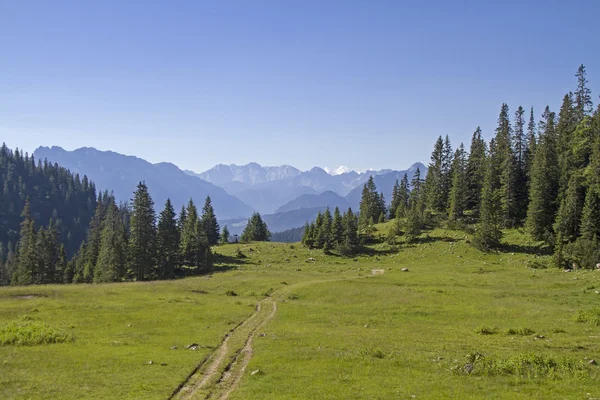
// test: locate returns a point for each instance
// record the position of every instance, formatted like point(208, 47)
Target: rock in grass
point(255, 372)
point(592, 362)
point(404, 270)
point(150, 362)
point(193, 346)
point(174, 348)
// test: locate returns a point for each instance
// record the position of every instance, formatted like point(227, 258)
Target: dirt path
point(220, 374)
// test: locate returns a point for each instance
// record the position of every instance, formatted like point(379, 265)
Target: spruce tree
point(337, 228)
point(543, 190)
point(416, 187)
point(319, 236)
point(530, 149)
point(520, 148)
point(209, 222)
point(181, 219)
point(488, 232)
point(27, 272)
point(48, 247)
point(224, 235)
point(351, 243)
point(583, 96)
point(403, 195)
point(189, 235)
point(565, 129)
point(568, 218)
point(307, 235)
point(446, 178)
point(326, 230)
point(201, 253)
point(434, 182)
point(475, 172)
point(256, 230)
point(370, 205)
point(507, 169)
point(458, 192)
point(395, 200)
point(112, 255)
point(590, 219)
point(142, 242)
point(382, 209)
point(167, 242)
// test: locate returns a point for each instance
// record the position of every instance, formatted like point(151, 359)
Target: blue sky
point(366, 84)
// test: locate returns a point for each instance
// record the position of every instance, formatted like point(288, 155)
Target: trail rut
point(221, 372)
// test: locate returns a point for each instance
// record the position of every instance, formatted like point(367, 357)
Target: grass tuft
point(591, 316)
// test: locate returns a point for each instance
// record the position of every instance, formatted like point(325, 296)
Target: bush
point(526, 365)
point(591, 316)
point(239, 254)
point(27, 332)
point(231, 293)
point(520, 331)
point(485, 330)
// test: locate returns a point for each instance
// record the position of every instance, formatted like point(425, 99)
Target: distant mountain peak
point(342, 169)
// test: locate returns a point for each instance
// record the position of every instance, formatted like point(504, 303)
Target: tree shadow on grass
point(544, 250)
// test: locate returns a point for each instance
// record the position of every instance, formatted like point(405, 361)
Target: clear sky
point(366, 84)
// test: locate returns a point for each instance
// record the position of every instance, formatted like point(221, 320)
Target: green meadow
point(458, 324)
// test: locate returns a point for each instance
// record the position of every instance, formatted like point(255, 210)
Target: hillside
point(54, 192)
point(121, 174)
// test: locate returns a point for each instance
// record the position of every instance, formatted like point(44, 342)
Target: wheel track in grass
point(220, 373)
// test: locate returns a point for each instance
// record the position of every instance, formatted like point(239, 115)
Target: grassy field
point(458, 324)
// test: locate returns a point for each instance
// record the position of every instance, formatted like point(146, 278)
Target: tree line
point(542, 177)
point(123, 242)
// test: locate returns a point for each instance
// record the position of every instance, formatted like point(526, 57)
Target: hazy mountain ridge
point(121, 174)
point(268, 188)
point(326, 199)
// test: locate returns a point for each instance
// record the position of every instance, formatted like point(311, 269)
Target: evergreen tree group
point(338, 232)
point(545, 178)
point(256, 230)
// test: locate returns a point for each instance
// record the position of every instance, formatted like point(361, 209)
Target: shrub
point(27, 332)
point(485, 330)
point(520, 331)
point(231, 293)
point(526, 365)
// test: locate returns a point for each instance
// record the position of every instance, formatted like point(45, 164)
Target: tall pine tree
point(142, 242)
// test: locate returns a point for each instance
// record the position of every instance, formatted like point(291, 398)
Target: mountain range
point(267, 188)
point(121, 174)
point(286, 196)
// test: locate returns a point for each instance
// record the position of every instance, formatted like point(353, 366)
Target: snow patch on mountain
point(342, 169)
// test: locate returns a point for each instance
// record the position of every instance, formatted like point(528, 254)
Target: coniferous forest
point(539, 175)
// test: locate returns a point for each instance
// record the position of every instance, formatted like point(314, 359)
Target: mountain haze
point(120, 173)
point(266, 189)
